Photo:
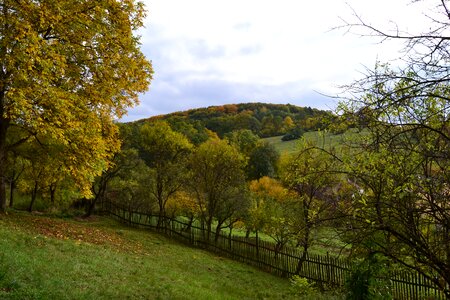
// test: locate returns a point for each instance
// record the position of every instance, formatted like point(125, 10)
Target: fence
point(263, 255)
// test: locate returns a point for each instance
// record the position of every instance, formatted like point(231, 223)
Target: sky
point(211, 52)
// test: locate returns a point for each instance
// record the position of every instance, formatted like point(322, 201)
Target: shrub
point(367, 280)
point(293, 134)
point(301, 286)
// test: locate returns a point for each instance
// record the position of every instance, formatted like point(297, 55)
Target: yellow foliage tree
point(272, 210)
point(68, 68)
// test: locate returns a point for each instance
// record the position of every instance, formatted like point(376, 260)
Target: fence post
point(327, 266)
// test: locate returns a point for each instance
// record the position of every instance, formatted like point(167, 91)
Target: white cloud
point(259, 50)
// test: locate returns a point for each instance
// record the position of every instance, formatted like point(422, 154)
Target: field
point(51, 258)
point(320, 139)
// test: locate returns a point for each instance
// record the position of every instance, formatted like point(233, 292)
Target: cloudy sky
point(211, 52)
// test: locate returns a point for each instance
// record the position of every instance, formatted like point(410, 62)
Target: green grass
point(44, 258)
point(325, 241)
point(320, 138)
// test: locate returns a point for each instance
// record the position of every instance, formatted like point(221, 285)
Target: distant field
point(50, 258)
point(320, 138)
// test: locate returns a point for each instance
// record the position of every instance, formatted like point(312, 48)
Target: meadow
point(323, 139)
point(54, 258)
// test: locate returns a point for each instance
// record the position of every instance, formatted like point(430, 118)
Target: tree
point(67, 69)
point(272, 211)
point(166, 153)
point(403, 172)
point(217, 180)
point(263, 161)
point(121, 165)
point(311, 175)
point(183, 204)
point(16, 167)
point(262, 157)
point(293, 134)
point(128, 187)
point(244, 140)
point(288, 124)
point(43, 167)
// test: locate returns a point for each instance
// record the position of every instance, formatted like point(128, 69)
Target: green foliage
point(166, 154)
point(161, 144)
point(293, 134)
point(400, 178)
point(263, 161)
point(262, 158)
point(311, 176)
point(368, 280)
point(217, 181)
point(301, 286)
point(245, 140)
point(262, 119)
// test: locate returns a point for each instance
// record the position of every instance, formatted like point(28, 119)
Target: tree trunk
point(4, 124)
point(189, 224)
point(99, 195)
point(257, 244)
point(90, 208)
point(33, 196)
point(218, 229)
point(305, 251)
point(208, 229)
point(52, 194)
point(161, 216)
point(2, 188)
point(12, 187)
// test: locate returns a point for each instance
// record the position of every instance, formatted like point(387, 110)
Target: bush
point(293, 134)
point(301, 286)
point(367, 280)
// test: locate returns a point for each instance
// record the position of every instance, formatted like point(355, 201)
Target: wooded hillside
point(262, 119)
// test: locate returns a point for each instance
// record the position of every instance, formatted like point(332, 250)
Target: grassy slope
point(321, 139)
point(44, 258)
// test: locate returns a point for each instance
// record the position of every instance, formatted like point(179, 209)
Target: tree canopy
point(401, 176)
point(68, 69)
point(263, 119)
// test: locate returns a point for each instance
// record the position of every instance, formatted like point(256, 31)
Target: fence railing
point(324, 269)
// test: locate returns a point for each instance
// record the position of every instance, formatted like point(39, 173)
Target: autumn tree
point(43, 168)
point(217, 180)
point(183, 204)
point(272, 211)
point(68, 68)
point(165, 152)
point(403, 172)
point(288, 124)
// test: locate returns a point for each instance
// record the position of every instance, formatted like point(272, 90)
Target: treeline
point(263, 119)
point(237, 181)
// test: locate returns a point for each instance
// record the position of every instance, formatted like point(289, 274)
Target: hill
point(48, 258)
point(263, 119)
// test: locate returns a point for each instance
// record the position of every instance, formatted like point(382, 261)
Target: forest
point(380, 194)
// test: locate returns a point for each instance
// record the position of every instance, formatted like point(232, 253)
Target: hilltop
point(263, 119)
